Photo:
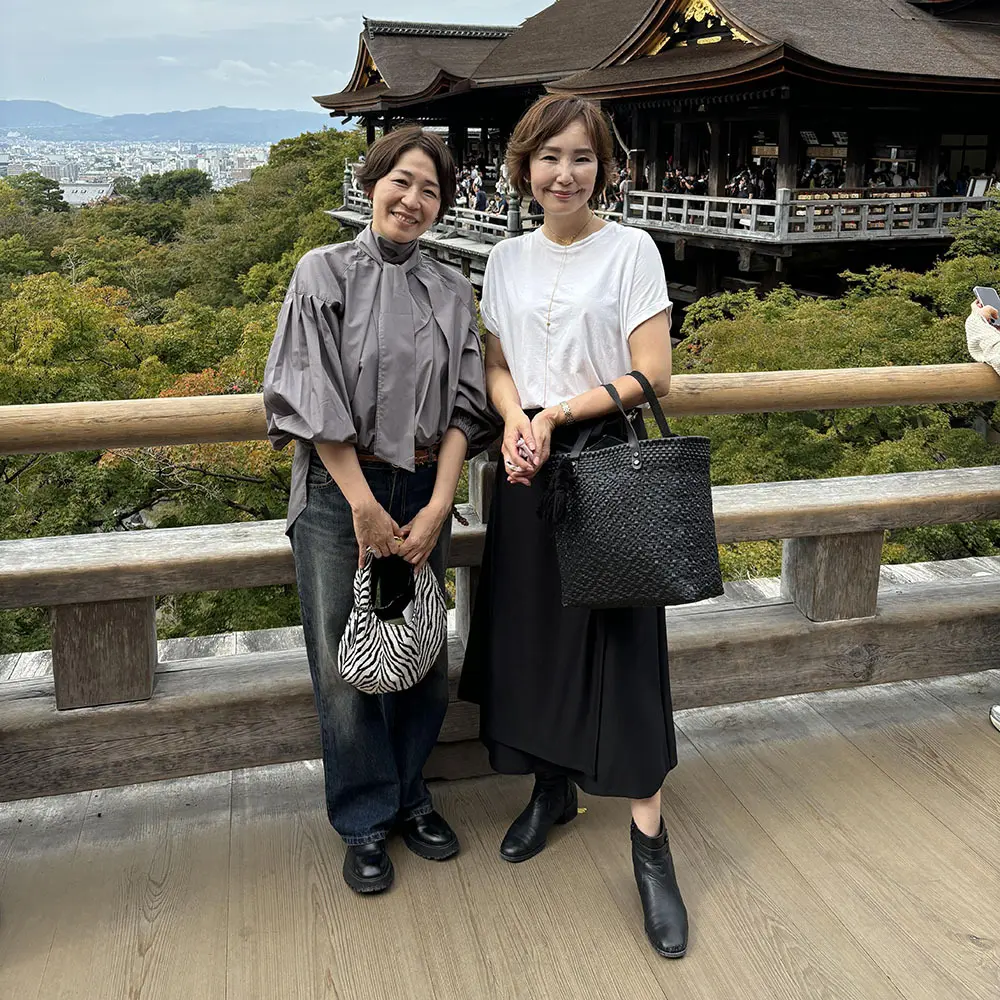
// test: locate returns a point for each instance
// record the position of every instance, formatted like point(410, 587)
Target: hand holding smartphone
point(988, 298)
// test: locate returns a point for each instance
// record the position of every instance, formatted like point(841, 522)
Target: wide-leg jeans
point(374, 746)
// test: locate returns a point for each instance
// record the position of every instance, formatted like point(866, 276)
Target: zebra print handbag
point(396, 628)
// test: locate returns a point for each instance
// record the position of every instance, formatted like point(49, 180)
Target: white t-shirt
point(605, 286)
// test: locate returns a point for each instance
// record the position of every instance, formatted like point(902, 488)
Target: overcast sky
point(116, 56)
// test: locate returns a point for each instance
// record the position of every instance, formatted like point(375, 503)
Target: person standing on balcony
point(574, 696)
point(983, 339)
point(376, 373)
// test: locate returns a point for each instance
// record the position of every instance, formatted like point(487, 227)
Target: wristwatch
point(567, 412)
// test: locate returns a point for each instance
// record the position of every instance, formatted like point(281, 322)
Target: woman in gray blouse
point(376, 374)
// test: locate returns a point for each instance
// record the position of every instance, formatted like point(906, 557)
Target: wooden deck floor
point(842, 845)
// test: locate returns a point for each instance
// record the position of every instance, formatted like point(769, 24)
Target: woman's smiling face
point(406, 201)
point(564, 171)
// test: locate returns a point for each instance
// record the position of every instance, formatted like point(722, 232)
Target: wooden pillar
point(103, 653)
point(484, 143)
point(482, 476)
point(707, 280)
point(788, 151)
point(857, 153)
point(369, 130)
point(928, 155)
point(638, 156)
point(691, 148)
point(678, 149)
point(833, 577)
point(716, 168)
point(653, 156)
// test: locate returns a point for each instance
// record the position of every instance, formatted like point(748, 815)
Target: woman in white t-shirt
point(578, 697)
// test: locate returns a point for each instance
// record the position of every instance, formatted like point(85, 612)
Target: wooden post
point(348, 181)
point(832, 577)
point(653, 157)
point(788, 151)
point(103, 653)
point(928, 156)
point(482, 476)
point(514, 227)
point(857, 155)
point(782, 212)
point(369, 130)
point(716, 170)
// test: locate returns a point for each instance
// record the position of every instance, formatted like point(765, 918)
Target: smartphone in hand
point(988, 297)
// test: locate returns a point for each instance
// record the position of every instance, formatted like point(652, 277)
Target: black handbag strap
point(654, 404)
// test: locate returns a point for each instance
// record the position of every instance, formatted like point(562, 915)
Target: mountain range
point(46, 120)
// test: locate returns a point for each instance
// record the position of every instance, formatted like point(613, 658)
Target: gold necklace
point(548, 314)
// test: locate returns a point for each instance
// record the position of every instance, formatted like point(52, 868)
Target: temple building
point(758, 137)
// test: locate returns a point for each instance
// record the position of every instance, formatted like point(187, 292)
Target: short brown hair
point(384, 153)
point(547, 117)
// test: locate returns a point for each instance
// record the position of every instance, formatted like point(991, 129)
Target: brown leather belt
point(421, 456)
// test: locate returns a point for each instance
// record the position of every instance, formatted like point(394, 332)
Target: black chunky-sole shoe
point(552, 802)
point(430, 837)
point(368, 868)
point(664, 913)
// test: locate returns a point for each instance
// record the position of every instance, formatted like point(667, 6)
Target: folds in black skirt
point(573, 690)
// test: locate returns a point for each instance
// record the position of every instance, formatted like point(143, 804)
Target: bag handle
point(654, 404)
point(633, 438)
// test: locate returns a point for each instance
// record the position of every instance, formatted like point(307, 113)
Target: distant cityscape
point(86, 171)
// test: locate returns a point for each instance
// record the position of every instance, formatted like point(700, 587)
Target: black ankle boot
point(553, 800)
point(367, 867)
point(665, 915)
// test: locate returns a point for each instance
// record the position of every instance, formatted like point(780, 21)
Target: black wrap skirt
point(572, 690)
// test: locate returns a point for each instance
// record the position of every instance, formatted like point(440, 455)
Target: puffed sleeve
point(305, 395)
point(472, 414)
point(983, 340)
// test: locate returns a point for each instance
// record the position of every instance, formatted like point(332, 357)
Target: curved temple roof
point(608, 48)
point(400, 62)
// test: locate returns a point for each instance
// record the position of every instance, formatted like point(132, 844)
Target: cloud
point(168, 60)
point(334, 23)
point(238, 71)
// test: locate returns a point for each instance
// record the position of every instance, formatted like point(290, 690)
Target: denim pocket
point(318, 478)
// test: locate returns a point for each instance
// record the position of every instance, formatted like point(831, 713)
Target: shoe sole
point(562, 821)
point(995, 719)
point(670, 954)
point(442, 853)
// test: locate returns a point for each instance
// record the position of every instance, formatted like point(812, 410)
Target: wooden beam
point(42, 572)
point(103, 653)
point(833, 577)
point(141, 423)
point(209, 717)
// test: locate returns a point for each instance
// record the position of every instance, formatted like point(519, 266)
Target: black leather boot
point(430, 836)
point(553, 800)
point(368, 868)
point(665, 915)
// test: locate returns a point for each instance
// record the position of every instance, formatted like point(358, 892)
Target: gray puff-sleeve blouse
point(379, 355)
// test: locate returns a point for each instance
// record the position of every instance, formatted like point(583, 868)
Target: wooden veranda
point(837, 846)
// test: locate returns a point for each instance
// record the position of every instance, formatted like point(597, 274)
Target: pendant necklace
point(548, 314)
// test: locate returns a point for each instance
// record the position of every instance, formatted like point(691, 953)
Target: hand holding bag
point(636, 528)
point(396, 628)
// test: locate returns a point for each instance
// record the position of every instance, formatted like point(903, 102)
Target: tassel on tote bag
point(633, 521)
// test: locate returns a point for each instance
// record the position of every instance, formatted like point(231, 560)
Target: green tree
point(174, 185)
point(37, 193)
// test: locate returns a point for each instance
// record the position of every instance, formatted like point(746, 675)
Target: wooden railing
point(831, 627)
point(142, 423)
point(491, 225)
point(788, 220)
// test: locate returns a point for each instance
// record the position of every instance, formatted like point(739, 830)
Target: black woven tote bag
point(635, 526)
